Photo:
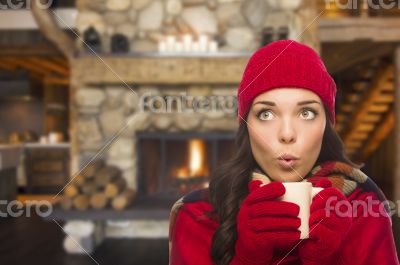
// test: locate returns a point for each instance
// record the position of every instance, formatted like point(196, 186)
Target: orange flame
point(197, 163)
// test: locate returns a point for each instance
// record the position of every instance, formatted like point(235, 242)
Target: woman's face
point(286, 121)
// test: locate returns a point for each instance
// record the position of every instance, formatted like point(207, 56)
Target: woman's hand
point(265, 223)
point(330, 220)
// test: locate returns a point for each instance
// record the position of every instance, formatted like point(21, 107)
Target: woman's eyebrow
point(307, 102)
point(270, 103)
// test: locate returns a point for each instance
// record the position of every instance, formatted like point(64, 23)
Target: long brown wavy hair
point(228, 186)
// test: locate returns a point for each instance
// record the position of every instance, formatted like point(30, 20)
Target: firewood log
point(78, 180)
point(90, 170)
point(115, 187)
point(89, 187)
point(106, 175)
point(66, 203)
point(98, 200)
point(71, 190)
point(81, 202)
point(123, 200)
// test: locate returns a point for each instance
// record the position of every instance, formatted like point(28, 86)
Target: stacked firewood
point(98, 186)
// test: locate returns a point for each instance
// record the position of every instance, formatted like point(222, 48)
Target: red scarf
point(343, 177)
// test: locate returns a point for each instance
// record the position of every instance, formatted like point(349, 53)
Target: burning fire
point(197, 163)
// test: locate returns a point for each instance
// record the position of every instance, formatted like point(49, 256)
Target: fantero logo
point(24, 4)
point(356, 4)
point(16, 208)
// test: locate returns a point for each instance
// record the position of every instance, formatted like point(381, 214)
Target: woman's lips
point(287, 163)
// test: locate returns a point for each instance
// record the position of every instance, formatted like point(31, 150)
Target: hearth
point(173, 164)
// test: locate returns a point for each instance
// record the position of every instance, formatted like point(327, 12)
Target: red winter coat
point(369, 241)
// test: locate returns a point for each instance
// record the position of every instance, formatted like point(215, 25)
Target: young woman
point(286, 134)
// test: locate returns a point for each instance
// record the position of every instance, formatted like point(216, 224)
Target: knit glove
point(329, 223)
point(263, 223)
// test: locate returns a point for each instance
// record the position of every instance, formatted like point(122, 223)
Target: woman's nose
point(287, 133)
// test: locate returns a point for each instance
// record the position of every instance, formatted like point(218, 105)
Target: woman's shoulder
point(195, 204)
point(188, 223)
point(198, 198)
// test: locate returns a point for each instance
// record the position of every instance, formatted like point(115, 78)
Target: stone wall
point(107, 118)
point(236, 25)
point(111, 115)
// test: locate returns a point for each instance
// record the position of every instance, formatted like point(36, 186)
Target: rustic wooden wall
point(380, 166)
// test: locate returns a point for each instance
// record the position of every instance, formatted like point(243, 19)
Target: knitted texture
point(328, 228)
point(342, 176)
point(285, 64)
point(370, 239)
point(264, 224)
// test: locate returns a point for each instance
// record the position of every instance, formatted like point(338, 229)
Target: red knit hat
point(285, 63)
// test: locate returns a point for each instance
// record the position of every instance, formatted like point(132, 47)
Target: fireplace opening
point(173, 164)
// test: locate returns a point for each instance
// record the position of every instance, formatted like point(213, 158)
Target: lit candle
point(195, 47)
point(203, 43)
point(162, 46)
point(187, 42)
point(213, 46)
point(178, 46)
point(170, 43)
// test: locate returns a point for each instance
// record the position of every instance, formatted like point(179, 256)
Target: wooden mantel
point(152, 68)
point(351, 29)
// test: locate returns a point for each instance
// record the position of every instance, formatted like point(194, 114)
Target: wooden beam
point(367, 73)
point(387, 87)
point(378, 108)
point(353, 29)
point(6, 66)
point(354, 144)
point(347, 107)
point(13, 67)
point(51, 66)
point(60, 60)
point(353, 97)
point(361, 136)
point(368, 100)
point(378, 136)
point(385, 98)
point(20, 62)
point(51, 80)
point(364, 127)
point(49, 27)
point(340, 117)
point(155, 69)
point(372, 118)
point(29, 50)
point(360, 86)
point(342, 56)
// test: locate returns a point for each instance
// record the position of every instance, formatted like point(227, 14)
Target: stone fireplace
point(167, 130)
point(163, 152)
point(167, 120)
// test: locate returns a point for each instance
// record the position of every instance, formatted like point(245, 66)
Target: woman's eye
point(265, 115)
point(308, 114)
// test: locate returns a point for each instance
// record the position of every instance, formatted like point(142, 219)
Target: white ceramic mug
point(302, 194)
